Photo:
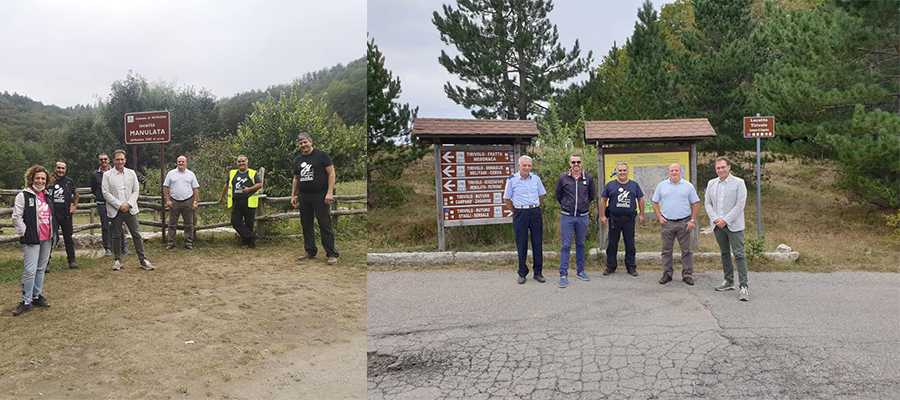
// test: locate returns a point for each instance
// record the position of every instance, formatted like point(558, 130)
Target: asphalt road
point(479, 335)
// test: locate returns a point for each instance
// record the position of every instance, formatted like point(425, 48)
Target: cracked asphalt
point(479, 335)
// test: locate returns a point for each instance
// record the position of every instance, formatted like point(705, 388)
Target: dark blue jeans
point(623, 226)
point(569, 226)
point(525, 221)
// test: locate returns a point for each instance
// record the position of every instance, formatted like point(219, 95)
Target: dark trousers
point(313, 206)
point(104, 228)
point(185, 209)
point(623, 226)
point(525, 221)
point(62, 219)
point(242, 219)
point(118, 235)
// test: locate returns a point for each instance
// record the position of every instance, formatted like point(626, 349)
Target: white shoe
point(744, 295)
point(146, 266)
point(117, 265)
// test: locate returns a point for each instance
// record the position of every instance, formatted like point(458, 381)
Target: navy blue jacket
point(575, 196)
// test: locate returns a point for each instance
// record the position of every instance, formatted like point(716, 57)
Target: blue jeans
point(569, 225)
point(36, 258)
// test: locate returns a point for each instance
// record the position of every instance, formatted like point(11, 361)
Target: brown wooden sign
point(759, 127)
point(473, 185)
point(472, 198)
point(148, 127)
point(475, 156)
point(475, 170)
point(476, 212)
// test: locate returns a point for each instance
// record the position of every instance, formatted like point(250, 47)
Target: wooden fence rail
point(86, 205)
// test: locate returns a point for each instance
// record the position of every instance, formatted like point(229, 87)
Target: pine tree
point(387, 122)
point(509, 56)
point(649, 82)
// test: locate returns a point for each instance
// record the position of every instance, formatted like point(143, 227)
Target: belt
point(182, 201)
point(570, 214)
point(527, 207)
point(677, 220)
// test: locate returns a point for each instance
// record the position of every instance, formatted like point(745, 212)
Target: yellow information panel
point(647, 169)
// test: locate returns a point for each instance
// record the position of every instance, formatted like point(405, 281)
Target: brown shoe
point(22, 308)
point(689, 280)
point(666, 278)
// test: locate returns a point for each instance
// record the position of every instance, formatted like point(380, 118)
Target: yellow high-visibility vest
point(253, 201)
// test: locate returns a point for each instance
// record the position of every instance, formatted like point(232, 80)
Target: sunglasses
point(575, 162)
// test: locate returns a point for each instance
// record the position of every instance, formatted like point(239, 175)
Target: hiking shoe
point(583, 276)
point(21, 309)
point(146, 265)
point(117, 265)
point(744, 295)
point(189, 247)
point(608, 271)
point(305, 257)
point(725, 286)
point(520, 280)
point(40, 301)
point(666, 278)
point(688, 280)
point(540, 278)
point(633, 272)
point(332, 260)
point(73, 265)
point(170, 246)
point(107, 253)
point(563, 281)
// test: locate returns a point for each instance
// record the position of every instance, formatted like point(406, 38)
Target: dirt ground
point(214, 323)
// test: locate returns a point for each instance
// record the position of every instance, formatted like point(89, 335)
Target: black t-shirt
point(622, 197)
point(63, 192)
point(310, 171)
point(241, 181)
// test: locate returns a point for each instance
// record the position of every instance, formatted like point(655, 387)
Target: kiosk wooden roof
point(454, 130)
point(660, 130)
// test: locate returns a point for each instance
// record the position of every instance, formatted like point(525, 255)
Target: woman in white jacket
point(33, 218)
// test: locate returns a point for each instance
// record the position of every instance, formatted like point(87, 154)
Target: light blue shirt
point(675, 199)
point(524, 192)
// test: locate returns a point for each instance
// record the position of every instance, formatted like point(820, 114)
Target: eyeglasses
point(575, 162)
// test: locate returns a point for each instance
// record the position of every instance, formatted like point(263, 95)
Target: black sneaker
point(666, 278)
point(688, 280)
point(40, 301)
point(633, 272)
point(22, 308)
point(520, 280)
point(608, 271)
point(540, 278)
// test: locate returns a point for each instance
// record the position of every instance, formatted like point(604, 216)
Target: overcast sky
point(69, 52)
point(411, 44)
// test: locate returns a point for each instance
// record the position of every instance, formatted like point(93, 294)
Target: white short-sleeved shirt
point(181, 184)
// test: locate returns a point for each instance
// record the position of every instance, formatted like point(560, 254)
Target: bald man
point(181, 194)
point(676, 204)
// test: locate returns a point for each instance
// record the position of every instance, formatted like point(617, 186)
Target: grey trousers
point(670, 232)
point(186, 211)
point(115, 228)
point(732, 242)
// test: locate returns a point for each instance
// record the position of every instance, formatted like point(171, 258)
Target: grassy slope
point(801, 208)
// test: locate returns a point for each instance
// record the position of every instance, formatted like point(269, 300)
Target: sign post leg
point(162, 177)
point(439, 198)
point(601, 173)
point(759, 226)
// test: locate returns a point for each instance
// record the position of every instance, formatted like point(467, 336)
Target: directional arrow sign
point(476, 156)
point(468, 199)
point(475, 212)
point(477, 170)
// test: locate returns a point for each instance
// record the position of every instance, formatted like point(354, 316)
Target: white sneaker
point(744, 295)
point(146, 266)
point(117, 265)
